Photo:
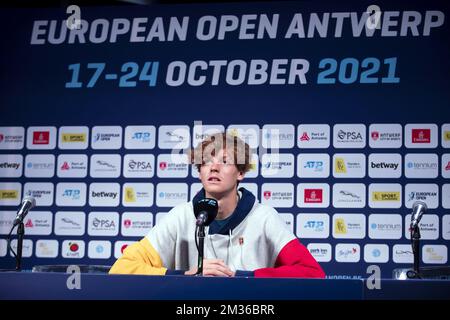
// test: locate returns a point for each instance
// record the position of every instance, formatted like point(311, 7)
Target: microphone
point(205, 211)
point(419, 208)
point(27, 204)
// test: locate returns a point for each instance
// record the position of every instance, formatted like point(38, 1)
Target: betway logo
point(384, 165)
point(8, 165)
point(103, 194)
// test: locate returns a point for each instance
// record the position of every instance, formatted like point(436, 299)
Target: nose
point(215, 166)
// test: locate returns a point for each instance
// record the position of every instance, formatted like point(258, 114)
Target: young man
point(246, 238)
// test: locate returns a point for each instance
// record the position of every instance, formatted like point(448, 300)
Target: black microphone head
point(31, 200)
point(208, 206)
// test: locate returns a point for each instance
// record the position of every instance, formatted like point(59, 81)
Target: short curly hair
point(218, 141)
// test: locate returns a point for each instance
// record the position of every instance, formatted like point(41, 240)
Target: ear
point(240, 176)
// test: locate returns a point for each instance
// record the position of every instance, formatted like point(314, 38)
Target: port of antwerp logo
point(267, 195)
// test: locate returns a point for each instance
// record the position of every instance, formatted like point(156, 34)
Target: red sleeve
point(293, 261)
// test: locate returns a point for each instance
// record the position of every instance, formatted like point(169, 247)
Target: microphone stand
point(201, 244)
point(415, 239)
point(20, 236)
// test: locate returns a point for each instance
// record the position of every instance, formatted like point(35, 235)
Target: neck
point(227, 203)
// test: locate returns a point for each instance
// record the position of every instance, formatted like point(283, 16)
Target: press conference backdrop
point(347, 113)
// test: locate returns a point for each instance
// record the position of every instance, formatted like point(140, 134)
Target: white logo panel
point(445, 134)
point(376, 253)
point(248, 133)
point(38, 223)
point(173, 137)
point(349, 226)
point(105, 166)
point(385, 135)
point(434, 254)
point(70, 223)
point(446, 196)
point(99, 249)
point(71, 194)
point(41, 138)
point(12, 138)
point(42, 192)
point(137, 194)
point(428, 193)
point(106, 137)
point(320, 251)
point(402, 253)
point(203, 132)
point(27, 248)
point(313, 225)
point(72, 166)
point(172, 166)
point(313, 195)
point(445, 227)
point(103, 224)
point(385, 226)
point(136, 224)
point(47, 248)
point(314, 136)
point(313, 165)
point(140, 137)
point(39, 166)
point(347, 252)
point(385, 195)
point(385, 165)
point(10, 193)
point(349, 165)
point(445, 167)
point(73, 138)
point(421, 165)
point(278, 194)
point(349, 136)
point(421, 135)
point(171, 194)
point(276, 165)
point(278, 136)
point(73, 249)
point(104, 194)
point(6, 221)
point(349, 195)
point(429, 227)
point(11, 165)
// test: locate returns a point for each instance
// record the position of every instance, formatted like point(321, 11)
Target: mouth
point(213, 179)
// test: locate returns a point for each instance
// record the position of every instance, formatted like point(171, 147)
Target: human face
point(219, 175)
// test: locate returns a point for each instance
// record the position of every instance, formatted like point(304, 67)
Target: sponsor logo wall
point(346, 192)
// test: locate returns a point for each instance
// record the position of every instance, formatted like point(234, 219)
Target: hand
point(213, 267)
